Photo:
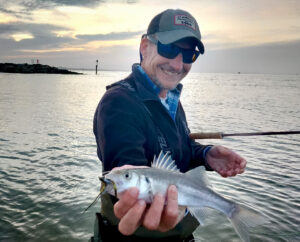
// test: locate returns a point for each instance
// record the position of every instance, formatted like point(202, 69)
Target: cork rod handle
point(216, 135)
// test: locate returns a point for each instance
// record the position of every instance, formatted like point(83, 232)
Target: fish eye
point(127, 175)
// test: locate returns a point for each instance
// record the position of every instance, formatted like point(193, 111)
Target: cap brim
point(172, 36)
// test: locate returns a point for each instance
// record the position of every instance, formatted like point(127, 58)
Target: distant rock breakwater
point(34, 68)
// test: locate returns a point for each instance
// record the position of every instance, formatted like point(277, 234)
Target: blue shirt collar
point(172, 95)
point(153, 85)
point(147, 78)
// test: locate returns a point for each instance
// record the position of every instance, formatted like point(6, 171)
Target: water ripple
point(49, 167)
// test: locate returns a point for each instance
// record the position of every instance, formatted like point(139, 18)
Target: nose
point(177, 63)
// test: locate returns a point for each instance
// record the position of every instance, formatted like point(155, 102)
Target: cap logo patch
point(185, 20)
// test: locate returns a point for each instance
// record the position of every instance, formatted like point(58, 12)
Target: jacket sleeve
point(198, 150)
point(199, 154)
point(118, 129)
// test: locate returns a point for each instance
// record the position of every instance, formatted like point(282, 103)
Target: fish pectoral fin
point(149, 189)
point(201, 214)
point(199, 175)
point(150, 195)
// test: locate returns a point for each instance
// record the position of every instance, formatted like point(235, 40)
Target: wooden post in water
point(96, 66)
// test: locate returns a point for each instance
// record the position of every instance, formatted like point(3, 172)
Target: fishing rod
point(220, 135)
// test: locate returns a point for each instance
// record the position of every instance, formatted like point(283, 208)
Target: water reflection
point(49, 168)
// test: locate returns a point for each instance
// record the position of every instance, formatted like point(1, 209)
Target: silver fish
point(194, 192)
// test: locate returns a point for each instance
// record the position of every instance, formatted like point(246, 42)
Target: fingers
point(225, 161)
point(128, 167)
point(122, 167)
point(170, 215)
point(153, 215)
point(243, 164)
point(233, 170)
point(161, 217)
point(171, 211)
point(130, 211)
point(128, 199)
point(132, 219)
point(239, 165)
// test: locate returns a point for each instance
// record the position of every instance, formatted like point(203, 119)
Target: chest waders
point(104, 231)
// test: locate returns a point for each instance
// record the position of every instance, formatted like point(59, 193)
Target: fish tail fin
point(243, 218)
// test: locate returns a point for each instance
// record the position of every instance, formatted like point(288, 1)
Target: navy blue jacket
point(131, 126)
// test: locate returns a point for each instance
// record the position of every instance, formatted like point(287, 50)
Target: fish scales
point(190, 192)
point(194, 192)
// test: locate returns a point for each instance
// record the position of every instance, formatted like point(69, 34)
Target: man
point(142, 115)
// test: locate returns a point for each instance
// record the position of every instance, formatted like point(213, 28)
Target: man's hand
point(158, 216)
point(225, 161)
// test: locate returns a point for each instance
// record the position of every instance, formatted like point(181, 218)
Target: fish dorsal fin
point(165, 162)
point(199, 174)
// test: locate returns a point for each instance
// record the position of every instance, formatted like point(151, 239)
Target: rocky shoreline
point(34, 68)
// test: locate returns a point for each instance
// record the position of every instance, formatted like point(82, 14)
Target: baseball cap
point(175, 24)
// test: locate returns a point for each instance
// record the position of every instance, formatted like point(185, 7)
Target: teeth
point(170, 73)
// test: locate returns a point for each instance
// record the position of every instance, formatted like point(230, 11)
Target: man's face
point(166, 73)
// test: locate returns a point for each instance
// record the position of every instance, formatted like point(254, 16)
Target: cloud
point(18, 14)
point(45, 41)
point(46, 35)
point(33, 28)
point(43, 34)
point(45, 4)
point(26, 7)
point(43, 37)
point(110, 36)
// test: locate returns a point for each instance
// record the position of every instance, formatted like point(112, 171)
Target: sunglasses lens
point(190, 56)
point(170, 51)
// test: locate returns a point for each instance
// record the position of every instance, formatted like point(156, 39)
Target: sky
point(257, 36)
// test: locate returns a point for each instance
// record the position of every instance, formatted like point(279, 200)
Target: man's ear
point(143, 46)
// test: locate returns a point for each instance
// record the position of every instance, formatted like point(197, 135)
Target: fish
point(194, 192)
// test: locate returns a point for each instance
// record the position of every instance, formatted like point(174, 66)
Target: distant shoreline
point(33, 68)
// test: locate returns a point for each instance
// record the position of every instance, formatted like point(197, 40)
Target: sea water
point(49, 168)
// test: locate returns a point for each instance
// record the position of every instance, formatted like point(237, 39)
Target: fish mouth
point(105, 182)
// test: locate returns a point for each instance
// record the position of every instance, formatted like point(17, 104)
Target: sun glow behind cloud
point(20, 36)
point(97, 27)
point(91, 46)
point(222, 24)
point(4, 18)
point(78, 20)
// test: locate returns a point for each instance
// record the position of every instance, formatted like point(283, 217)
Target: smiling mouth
point(170, 72)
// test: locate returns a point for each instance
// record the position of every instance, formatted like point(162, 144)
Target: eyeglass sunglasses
point(170, 51)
